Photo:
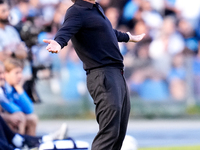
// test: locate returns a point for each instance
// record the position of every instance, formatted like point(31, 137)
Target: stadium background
point(162, 71)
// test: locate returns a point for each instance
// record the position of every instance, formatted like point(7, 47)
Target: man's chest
point(94, 20)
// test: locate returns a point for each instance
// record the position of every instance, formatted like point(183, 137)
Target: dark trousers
point(108, 89)
point(7, 135)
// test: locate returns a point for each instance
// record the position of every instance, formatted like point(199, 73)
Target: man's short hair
point(12, 63)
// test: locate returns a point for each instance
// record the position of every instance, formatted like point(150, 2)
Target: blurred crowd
point(164, 66)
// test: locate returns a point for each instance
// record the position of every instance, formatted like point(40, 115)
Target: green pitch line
point(173, 148)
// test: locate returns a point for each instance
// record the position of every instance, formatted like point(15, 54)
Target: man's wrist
point(129, 35)
point(61, 45)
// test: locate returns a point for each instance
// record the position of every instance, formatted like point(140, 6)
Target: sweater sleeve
point(25, 103)
point(8, 105)
point(121, 37)
point(71, 26)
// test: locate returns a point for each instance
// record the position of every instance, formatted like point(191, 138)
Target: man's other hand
point(53, 46)
point(135, 38)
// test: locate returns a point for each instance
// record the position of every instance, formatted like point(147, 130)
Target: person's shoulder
point(3, 96)
point(73, 10)
point(74, 7)
point(10, 28)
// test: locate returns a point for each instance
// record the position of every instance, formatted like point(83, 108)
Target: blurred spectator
point(34, 7)
point(197, 29)
point(17, 105)
point(154, 87)
point(119, 4)
point(142, 55)
point(49, 2)
point(141, 27)
point(177, 78)
point(20, 11)
point(188, 10)
point(196, 72)
point(149, 84)
point(9, 38)
point(104, 3)
point(138, 59)
point(171, 26)
point(175, 40)
point(55, 23)
point(159, 55)
point(137, 53)
point(135, 81)
point(158, 5)
point(113, 15)
point(123, 46)
point(188, 33)
point(168, 43)
point(73, 78)
point(130, 11)
point(151, 17)
point(170, 8)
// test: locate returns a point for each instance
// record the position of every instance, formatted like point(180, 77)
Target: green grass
point(173, 148)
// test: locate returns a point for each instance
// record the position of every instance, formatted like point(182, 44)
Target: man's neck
point(90, 1)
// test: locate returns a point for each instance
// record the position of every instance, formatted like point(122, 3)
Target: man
point(96, 44)
point(9, 37)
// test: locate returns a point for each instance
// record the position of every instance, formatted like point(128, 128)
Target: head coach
point(96, 44)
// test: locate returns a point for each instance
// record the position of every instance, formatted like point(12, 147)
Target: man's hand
point(53, 46)
point(135, 38)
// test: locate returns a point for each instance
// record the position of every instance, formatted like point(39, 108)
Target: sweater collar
point(84, 3)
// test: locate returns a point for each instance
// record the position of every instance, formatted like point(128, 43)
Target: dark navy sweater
point(92, 35)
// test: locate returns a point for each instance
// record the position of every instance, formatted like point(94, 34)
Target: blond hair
point(12, 63)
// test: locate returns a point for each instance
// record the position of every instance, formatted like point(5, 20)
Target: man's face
point(14, 77)
point(73, 1)
point(2, 77)
point(4, 13)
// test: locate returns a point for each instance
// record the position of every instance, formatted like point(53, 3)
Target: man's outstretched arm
point(72, 24)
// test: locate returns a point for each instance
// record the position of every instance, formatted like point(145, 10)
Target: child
point(18, 105)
